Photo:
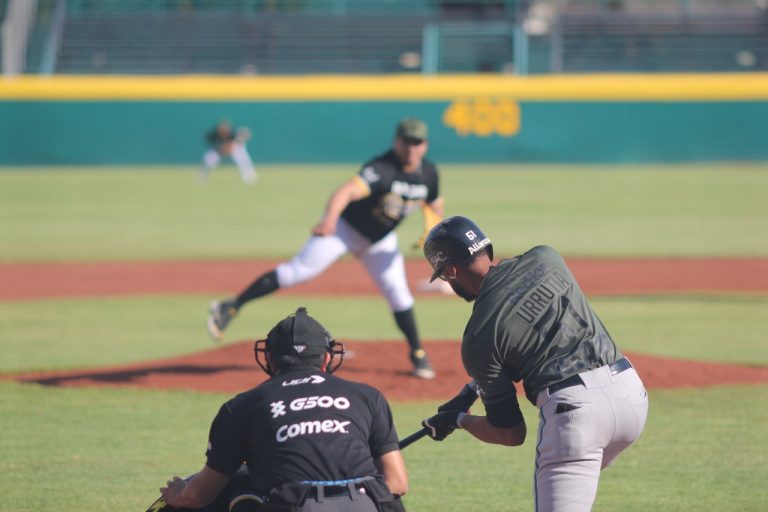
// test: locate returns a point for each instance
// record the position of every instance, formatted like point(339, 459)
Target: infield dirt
point(230, 368)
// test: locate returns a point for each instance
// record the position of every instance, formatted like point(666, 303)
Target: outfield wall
point(334, 119)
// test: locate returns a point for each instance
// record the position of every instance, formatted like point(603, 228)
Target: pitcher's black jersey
point(304, 425)
point(394, 195)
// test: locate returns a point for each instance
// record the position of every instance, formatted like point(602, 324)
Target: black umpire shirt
point(530, 321)
point(394, 195)
point(303, 425)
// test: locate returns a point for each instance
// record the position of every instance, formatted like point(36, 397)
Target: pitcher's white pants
point(382, 260)
point(239, 155)
point(574, 446)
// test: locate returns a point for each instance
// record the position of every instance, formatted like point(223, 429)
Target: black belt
point(574, 380)
point(334, 491)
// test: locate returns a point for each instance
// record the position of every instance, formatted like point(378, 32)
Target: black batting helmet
point(454, 240)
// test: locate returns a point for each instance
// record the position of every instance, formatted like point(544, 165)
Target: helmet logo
point(437, 258)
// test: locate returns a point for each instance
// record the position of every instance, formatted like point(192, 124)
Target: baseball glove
point(430, 219)
point(243, 134)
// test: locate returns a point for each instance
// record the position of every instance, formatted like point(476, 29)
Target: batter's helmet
point(454, 240)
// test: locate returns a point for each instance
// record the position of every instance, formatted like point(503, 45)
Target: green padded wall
point(88, 124)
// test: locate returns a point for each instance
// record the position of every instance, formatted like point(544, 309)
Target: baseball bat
point(407, 441)
point(403, 443)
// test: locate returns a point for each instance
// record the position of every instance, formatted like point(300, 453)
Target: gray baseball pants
point(607, 414)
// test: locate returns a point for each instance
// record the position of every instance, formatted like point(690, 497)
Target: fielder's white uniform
point(238, 153)
point(226, 141)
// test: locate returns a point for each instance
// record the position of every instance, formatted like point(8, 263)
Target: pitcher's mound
point(382, 364)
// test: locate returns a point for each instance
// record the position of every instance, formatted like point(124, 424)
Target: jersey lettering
point(370, 175)
point(478, 245)
point(314, 379)
point(528, 281)
point(310, 428)
point(277, 409)
point(301, 404)
point(409, 190)
point(538, 300)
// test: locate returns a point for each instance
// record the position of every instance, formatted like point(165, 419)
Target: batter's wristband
point(459, 418)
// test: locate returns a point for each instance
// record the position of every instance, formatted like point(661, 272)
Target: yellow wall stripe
point(600, 87)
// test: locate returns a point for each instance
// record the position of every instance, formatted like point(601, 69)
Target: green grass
point(722, 328)
point(93, 332)
point(110, 449)
point(685, 460)
point(163, 213)
point(89, 449)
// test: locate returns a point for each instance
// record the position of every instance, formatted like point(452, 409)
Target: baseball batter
point(531, 322)
point(311, 442)
point(360, 218)
point(224, 141)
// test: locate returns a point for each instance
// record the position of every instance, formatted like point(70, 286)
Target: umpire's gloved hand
point(442, 424)
point(461, 402)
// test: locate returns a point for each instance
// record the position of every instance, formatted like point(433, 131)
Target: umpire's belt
point(319, 490)
point(574, 380)
point(334, 491)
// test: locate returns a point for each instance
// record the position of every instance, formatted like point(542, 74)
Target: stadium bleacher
point(358, 36)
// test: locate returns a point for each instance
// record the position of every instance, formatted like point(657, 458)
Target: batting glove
point(442, 424)
point(461, 402)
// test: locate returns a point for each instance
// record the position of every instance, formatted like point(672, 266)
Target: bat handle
point(413, 438)
point(403, 443)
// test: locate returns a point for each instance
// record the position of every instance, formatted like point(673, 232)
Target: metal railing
point(17, 24)
point(416, 36)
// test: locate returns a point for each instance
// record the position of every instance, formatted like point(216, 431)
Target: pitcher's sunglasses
point(412, 141)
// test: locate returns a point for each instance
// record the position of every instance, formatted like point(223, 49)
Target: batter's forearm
point(479, 427)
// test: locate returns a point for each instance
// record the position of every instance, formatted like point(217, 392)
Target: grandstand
point(387, 36)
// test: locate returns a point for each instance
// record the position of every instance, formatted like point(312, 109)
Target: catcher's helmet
point(298, 335)
point(454, 240)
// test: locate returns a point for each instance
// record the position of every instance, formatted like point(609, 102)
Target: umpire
point(531, 322)
point(311, 441)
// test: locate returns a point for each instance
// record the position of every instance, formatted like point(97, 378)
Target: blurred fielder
point(225, 141)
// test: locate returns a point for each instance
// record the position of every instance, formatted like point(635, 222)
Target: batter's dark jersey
point(394, 195)
point(302, 426)
point(531, 321)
